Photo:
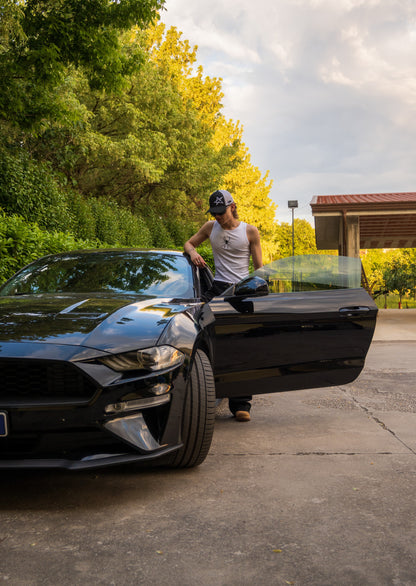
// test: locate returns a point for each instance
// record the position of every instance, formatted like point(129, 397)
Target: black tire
point(198, 415)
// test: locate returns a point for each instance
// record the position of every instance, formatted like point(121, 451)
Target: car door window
point(319, 272)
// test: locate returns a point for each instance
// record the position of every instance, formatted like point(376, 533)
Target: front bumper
point(87, 463)
point(61, 418)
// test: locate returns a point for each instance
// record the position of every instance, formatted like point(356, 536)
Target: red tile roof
point(364, 198)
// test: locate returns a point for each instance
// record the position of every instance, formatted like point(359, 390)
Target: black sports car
point(110, 356)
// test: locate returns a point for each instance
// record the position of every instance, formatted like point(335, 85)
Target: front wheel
point(198, 416)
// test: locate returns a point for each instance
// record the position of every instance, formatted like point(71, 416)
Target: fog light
point(137, 404)
point(133, 430)
point(159, 388)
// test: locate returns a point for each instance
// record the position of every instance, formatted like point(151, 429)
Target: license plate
point(3, 424)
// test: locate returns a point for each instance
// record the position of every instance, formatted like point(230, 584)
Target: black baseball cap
point(219, 201)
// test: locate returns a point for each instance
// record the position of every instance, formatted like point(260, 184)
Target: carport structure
point(349, 223)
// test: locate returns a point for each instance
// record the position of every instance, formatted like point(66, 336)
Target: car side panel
point(291, 341)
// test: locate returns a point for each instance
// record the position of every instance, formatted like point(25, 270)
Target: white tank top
point(231, 250)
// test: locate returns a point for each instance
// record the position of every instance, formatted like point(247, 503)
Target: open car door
point(299, 322)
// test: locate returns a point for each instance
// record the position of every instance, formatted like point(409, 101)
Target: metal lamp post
point(292, 204)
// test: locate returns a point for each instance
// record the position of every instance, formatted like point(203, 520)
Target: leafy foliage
point(390, 273)
point(399, 274)
point(304, 238)
point(30, 189)
point(42, 38)
point(206, 252)
point(22, 242)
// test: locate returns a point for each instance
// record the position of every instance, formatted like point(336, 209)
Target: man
point(232, 242)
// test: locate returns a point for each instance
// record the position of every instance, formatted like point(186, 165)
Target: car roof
point(88, 251)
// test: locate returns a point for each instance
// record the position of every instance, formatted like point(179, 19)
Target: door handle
point(354, 311)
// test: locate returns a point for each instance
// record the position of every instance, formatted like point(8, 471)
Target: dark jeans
point(239, 404)
point(236, 403)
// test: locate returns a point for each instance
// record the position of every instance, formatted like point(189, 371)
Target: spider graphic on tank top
point(226, 241)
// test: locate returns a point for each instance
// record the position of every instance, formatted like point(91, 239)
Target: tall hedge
point(21, 242)
point(30, 189)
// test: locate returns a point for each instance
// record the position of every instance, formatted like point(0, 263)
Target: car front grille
point(32, 382)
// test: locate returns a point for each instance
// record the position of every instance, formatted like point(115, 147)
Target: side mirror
point(251, 286)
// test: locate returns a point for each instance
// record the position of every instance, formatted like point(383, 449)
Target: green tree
point(375, 262)
point(399, 275)
point(11, 30)
point(42, 38)
point(145, 146)
point(304, 238)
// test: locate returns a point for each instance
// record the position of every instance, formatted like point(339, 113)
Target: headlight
point(156, 358)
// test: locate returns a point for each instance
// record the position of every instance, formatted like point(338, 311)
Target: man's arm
point(195, 240)
point(255, 246)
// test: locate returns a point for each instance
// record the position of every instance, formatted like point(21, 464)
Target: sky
point(325, 89)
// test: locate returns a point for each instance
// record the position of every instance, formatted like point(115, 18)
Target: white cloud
point(225, 43)
point(325, 89)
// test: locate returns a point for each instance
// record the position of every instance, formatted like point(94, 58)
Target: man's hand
point(197, 259)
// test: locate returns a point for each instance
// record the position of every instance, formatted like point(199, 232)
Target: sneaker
point(242, 416)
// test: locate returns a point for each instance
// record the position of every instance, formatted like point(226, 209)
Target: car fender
point(189, 331)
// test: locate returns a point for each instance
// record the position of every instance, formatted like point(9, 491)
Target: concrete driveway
point(318, 489)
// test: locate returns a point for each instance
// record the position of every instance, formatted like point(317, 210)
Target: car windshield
point(123, 272)
point(312, 272)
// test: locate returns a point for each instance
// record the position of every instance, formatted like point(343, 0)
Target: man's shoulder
point(253, 234)
point(251, 229)
point(207, 227)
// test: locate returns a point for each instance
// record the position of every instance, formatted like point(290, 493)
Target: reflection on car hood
point(110, 323)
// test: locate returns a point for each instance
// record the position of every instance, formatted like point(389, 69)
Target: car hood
point(108, 323)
